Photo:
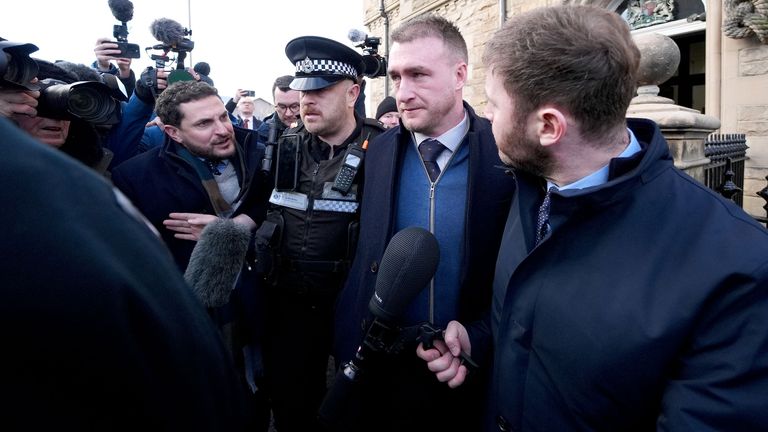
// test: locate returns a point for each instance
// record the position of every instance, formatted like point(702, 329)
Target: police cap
point(321, 62)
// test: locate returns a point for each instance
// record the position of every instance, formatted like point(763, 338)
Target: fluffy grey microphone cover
point(216, 261)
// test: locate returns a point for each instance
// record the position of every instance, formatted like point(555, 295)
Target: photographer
point(75, 137)
point(105, 51)
point(245, 111)
point(125, 138)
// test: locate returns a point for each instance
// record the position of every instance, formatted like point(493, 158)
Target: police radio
point(353, 159)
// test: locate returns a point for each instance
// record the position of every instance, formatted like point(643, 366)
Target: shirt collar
point(451, 138)
point(601, 175)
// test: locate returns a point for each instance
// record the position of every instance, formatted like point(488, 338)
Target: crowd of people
point(184, 264)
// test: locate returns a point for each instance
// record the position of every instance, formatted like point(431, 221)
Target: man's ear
point(461, 75)
point(551, 125)
point(352, 93)
point(173, 132)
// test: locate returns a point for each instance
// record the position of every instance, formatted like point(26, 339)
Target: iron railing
point(725, 172)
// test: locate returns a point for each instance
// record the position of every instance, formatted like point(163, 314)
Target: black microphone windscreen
point(216, 261)
point(409, 263)
point(167, 31)
point(121, 9)
point(356, 35)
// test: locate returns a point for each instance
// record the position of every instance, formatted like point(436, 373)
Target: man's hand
point(189, 226)
point(143, 90)
point(238, 94)
point(105, 51)
point(162, 79)
point(444, 358)
point(13, 101)
point(124, 65)
point(155, 122)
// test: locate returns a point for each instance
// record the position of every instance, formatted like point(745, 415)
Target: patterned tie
point(430, 150)
point(542, 220)
point(214, 166)
point(245, 123)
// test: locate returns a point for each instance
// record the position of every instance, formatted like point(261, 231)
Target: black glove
point(146, 86)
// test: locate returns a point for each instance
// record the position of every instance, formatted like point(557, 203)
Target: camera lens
point(89, 104)
point(89, 101)
point(19, 70)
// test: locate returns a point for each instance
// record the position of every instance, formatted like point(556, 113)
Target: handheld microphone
point(122, 10)
point(356, 35)
point(409, 263)
point(216, 261)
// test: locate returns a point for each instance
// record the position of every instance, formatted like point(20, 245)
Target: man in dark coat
point(206, 171)
point(99, 331)
point(619, 303)
point(460, 196)
point(286, 113)
point(168, 183)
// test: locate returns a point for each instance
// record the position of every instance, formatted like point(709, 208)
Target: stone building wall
point(744, 109)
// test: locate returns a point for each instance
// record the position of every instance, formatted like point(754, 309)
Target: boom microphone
point(216, 261)
point(167, 31)
point(409, 263)
point(356, 35)
point(121, 9)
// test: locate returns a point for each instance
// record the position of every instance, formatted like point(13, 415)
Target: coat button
point(501, 422)
point(374, 267)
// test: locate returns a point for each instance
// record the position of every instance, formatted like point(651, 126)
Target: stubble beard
point(527, 155)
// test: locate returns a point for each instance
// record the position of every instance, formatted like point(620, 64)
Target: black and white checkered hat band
point(332, 67)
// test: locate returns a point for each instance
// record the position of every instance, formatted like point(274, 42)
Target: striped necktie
point(430, 150)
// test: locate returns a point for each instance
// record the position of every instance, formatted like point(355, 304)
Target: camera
point(249, 93)
point(91, 101)
point(127, 50)
point(17, 69)
point(122, 10)
point(375, 63)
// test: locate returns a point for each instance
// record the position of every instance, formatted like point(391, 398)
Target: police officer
point(312, 224)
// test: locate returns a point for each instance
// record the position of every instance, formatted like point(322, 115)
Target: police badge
point(307, 66)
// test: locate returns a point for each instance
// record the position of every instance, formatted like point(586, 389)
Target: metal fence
point(725, 172)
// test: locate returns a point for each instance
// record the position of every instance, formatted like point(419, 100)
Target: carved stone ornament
point(645, 13)
point(744, 18)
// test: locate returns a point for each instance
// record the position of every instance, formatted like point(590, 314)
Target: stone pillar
point(685, 129)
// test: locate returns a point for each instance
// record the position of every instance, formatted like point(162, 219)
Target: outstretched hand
point(189, 226)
